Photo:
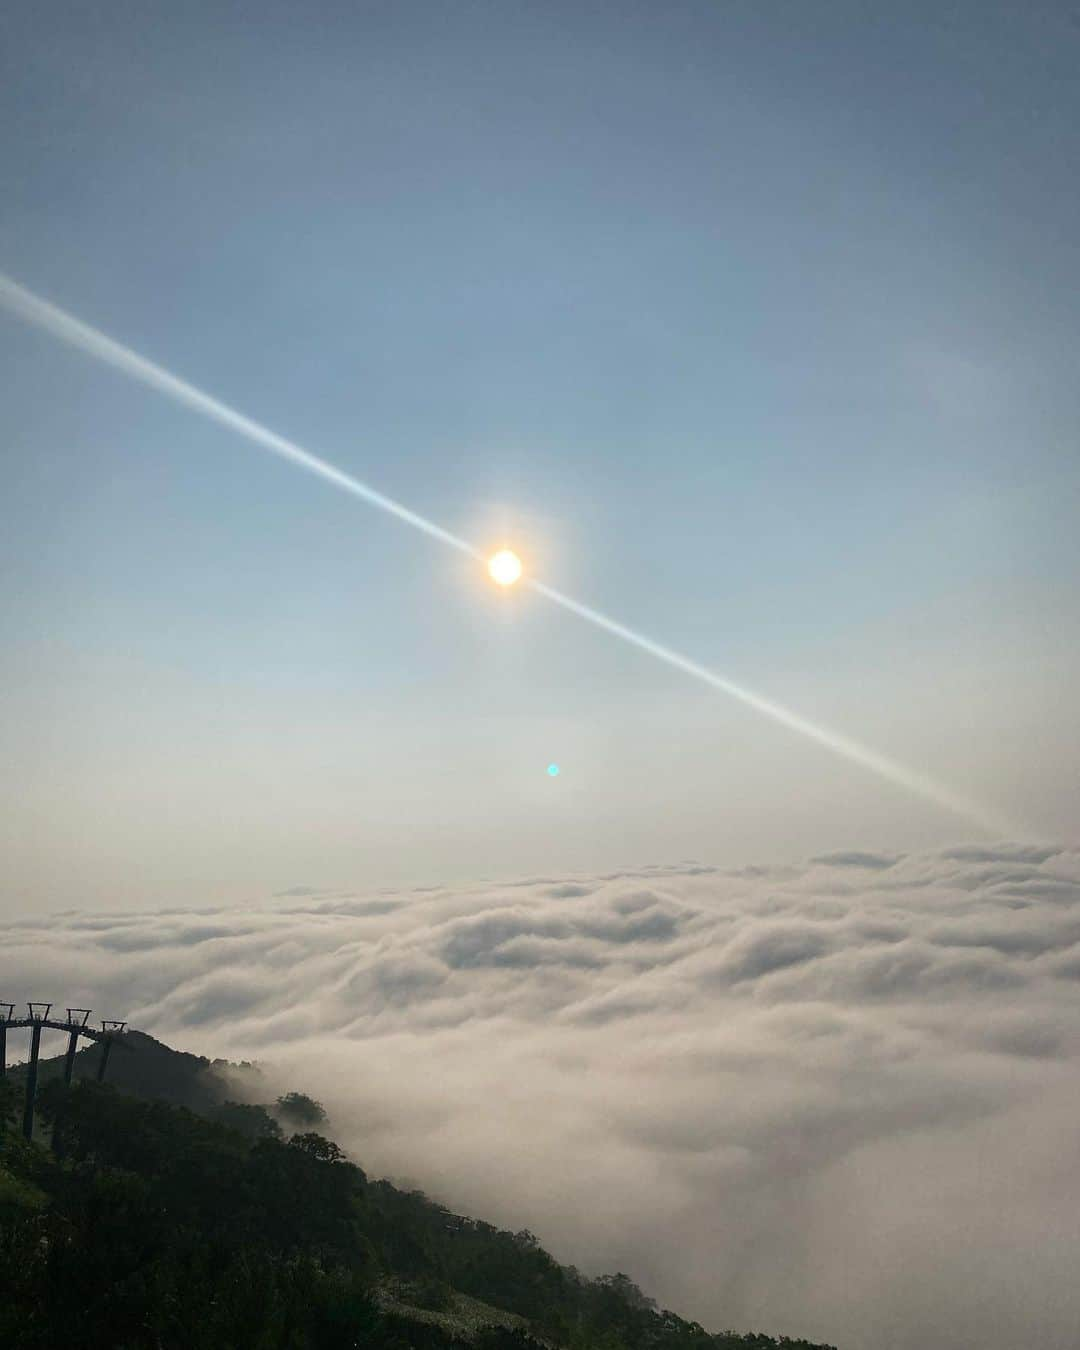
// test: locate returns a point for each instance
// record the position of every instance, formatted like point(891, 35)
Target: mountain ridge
point(344, 1260)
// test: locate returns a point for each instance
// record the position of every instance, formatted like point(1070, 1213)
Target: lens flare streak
point(841, 745)
point(28, 306)
point(52, 319)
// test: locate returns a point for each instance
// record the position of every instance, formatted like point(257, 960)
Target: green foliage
point(161, 1229)
point(253, 1122)
point(297, 1109)
point(164, 1229)
point(315, 1146)
point(8, 1100)
point(145, 1067)
point(428, 1293)
point(19, 1197)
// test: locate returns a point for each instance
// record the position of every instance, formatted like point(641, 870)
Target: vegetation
point(253, 1122)
point(8, 1097)
point(145, 1067)
point(155, 1228)
point(296, 1109)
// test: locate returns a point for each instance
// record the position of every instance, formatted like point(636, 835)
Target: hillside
point(173, 1219)
point(145, 1067)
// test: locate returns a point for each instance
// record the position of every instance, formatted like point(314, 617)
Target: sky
point(751, 325)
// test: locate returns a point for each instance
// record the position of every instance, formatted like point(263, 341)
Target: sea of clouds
point(839, 1100)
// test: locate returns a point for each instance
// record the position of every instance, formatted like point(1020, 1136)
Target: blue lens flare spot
point(553, 770)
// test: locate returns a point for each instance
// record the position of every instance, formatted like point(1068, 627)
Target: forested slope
point(156, 1228)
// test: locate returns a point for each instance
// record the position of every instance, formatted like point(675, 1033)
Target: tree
point(160, 1229)
point(299, 1109)
point(315, 1146)
point(7, 1101)
point(253, 1122)
point(624, 1288)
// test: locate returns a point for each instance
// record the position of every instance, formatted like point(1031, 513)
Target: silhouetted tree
point(315, 1146)
point(298, 1109)
point(254, 1122)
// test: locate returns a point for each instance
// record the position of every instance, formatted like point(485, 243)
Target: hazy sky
point(753, 324)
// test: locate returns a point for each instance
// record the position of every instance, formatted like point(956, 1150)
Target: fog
point(836, 1099)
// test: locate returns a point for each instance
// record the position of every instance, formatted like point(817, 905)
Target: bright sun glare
point(505, 567)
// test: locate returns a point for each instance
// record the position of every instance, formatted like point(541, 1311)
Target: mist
point(836, 1099)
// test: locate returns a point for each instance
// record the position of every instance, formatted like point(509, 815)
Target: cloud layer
point(837, 1100)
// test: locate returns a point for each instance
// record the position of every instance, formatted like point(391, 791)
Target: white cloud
point(836, 1100)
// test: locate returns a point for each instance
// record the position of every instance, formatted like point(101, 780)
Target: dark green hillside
point(145, 1067)
point(162, 1229)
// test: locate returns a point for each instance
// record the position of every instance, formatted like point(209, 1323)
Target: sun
point(504, 567)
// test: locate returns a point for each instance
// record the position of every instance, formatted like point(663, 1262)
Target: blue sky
point(753, 325)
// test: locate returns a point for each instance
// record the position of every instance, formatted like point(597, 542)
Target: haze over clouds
point(835, 1099)
point(752, 326)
